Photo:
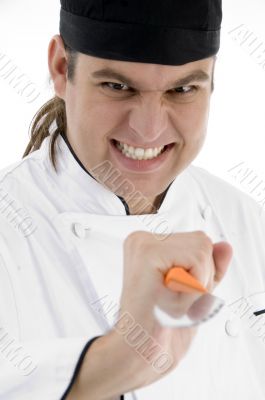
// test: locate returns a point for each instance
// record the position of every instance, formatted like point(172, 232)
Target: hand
point(146, 261)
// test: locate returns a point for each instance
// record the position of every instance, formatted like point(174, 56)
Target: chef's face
point(148, 106)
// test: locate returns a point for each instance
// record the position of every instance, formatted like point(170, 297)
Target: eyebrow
point(197, 75)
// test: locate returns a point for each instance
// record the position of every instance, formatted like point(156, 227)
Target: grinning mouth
point(144, 154)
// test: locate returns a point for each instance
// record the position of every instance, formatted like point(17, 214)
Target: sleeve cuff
point(78, 366)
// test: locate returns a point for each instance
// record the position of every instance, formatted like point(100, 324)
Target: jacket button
point(79, 230)
point(232, 328)
point(207, 212)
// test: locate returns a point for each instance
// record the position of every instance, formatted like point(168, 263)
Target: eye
point(183, 90)
point(121, 87)
point(115, 86)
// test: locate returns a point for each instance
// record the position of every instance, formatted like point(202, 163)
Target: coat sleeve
point(31, 369)
point(43, 369)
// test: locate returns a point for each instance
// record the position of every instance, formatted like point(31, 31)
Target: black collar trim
point(82, 166)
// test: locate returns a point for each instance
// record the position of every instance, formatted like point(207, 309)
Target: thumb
point(222, 254)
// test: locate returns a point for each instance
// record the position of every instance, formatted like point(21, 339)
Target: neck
point(145, 206)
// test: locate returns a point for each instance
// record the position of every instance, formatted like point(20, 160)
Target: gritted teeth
point(138, 153)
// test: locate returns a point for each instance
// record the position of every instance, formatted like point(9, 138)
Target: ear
point(57, 62)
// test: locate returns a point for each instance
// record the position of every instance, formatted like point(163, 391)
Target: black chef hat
point(168, 32)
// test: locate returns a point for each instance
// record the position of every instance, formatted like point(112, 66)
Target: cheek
point(194, 119)
point(103, 117)
point(75, 111)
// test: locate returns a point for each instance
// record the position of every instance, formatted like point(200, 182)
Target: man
point(106, 203)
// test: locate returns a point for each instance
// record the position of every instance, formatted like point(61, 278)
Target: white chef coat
point(61, 236)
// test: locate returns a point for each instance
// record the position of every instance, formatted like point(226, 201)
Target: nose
point(148, 120)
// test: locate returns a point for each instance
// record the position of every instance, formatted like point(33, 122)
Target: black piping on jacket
point(82, 166)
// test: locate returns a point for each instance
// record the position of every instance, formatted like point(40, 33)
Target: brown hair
point(52, 111)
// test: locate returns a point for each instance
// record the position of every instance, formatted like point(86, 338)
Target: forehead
point(144, 75)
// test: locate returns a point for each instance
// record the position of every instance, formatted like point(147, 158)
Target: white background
point(236, 132)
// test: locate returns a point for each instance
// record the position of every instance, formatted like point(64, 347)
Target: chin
point(146, 194)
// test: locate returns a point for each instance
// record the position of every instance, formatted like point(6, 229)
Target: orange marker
point(179, 280)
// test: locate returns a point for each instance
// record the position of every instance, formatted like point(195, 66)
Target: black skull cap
point(167, 32)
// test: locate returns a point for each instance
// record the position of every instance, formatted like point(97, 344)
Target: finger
point(222, 254)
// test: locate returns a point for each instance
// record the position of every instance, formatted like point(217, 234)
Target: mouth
point(138, 158)
point(139, 153)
